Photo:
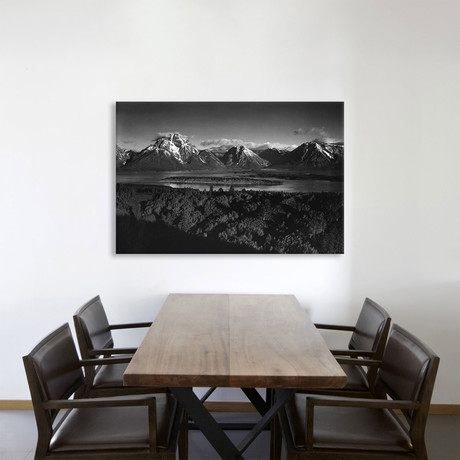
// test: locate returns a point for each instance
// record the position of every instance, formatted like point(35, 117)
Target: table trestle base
point(214, 432)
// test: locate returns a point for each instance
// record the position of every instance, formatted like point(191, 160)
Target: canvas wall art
point(230, 177)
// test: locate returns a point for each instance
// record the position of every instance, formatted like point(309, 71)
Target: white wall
point(395, 63)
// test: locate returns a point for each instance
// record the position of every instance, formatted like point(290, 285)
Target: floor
point(18, 437)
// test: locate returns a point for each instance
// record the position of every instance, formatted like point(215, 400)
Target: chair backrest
point(92, 328)
point(371, 330)
point(408, 372)
point(53, 372)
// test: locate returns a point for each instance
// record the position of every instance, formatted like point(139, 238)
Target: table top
point(226, 340)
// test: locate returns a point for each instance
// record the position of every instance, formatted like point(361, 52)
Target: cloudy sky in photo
point(214, 124)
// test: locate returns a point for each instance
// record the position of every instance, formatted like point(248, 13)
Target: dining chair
point(361, 360)
point(130, 427)
point(94, 335)
point(328, 427)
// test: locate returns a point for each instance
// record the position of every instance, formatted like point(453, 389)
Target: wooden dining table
point(233, 340)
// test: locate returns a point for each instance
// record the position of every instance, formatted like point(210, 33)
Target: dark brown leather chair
point(107, 428)
point(328, 427)
point(94, 335)
point(365, 350)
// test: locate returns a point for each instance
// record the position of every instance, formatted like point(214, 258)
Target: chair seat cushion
point(356, 379)
point(110, 376)
point(114, 427)
point(347, 428)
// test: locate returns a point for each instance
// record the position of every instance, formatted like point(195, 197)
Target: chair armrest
point(334, 327)
point(98, 402)
point(362, 402)
point(112, 351)
point(353, 353)
point(100, 361)
point(313, 401)
point(359, 362)
point(148, 401)
point(130, 325)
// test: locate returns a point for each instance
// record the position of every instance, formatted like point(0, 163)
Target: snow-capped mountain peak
point(314, 154)
point(172, 152)
point(242, 157)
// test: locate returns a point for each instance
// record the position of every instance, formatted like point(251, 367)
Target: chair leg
point(423, 454)
point(275, 439)
point(183, 438)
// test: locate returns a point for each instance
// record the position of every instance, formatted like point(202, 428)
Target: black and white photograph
point(230, 177)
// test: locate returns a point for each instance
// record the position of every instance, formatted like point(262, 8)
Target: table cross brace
point(257, 401)
point(214, 433)
point(281, 398)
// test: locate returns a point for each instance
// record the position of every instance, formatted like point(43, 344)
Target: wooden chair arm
point(353, 353)
point(112, 351)
point(360, 362)
point(334, 327)
point(362, 402)
point(99, 361)
point(98, 402)
point(130, 325)
point(148, 401)
point(313, 401)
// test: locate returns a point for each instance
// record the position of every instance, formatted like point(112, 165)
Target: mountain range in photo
point(175, 153)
